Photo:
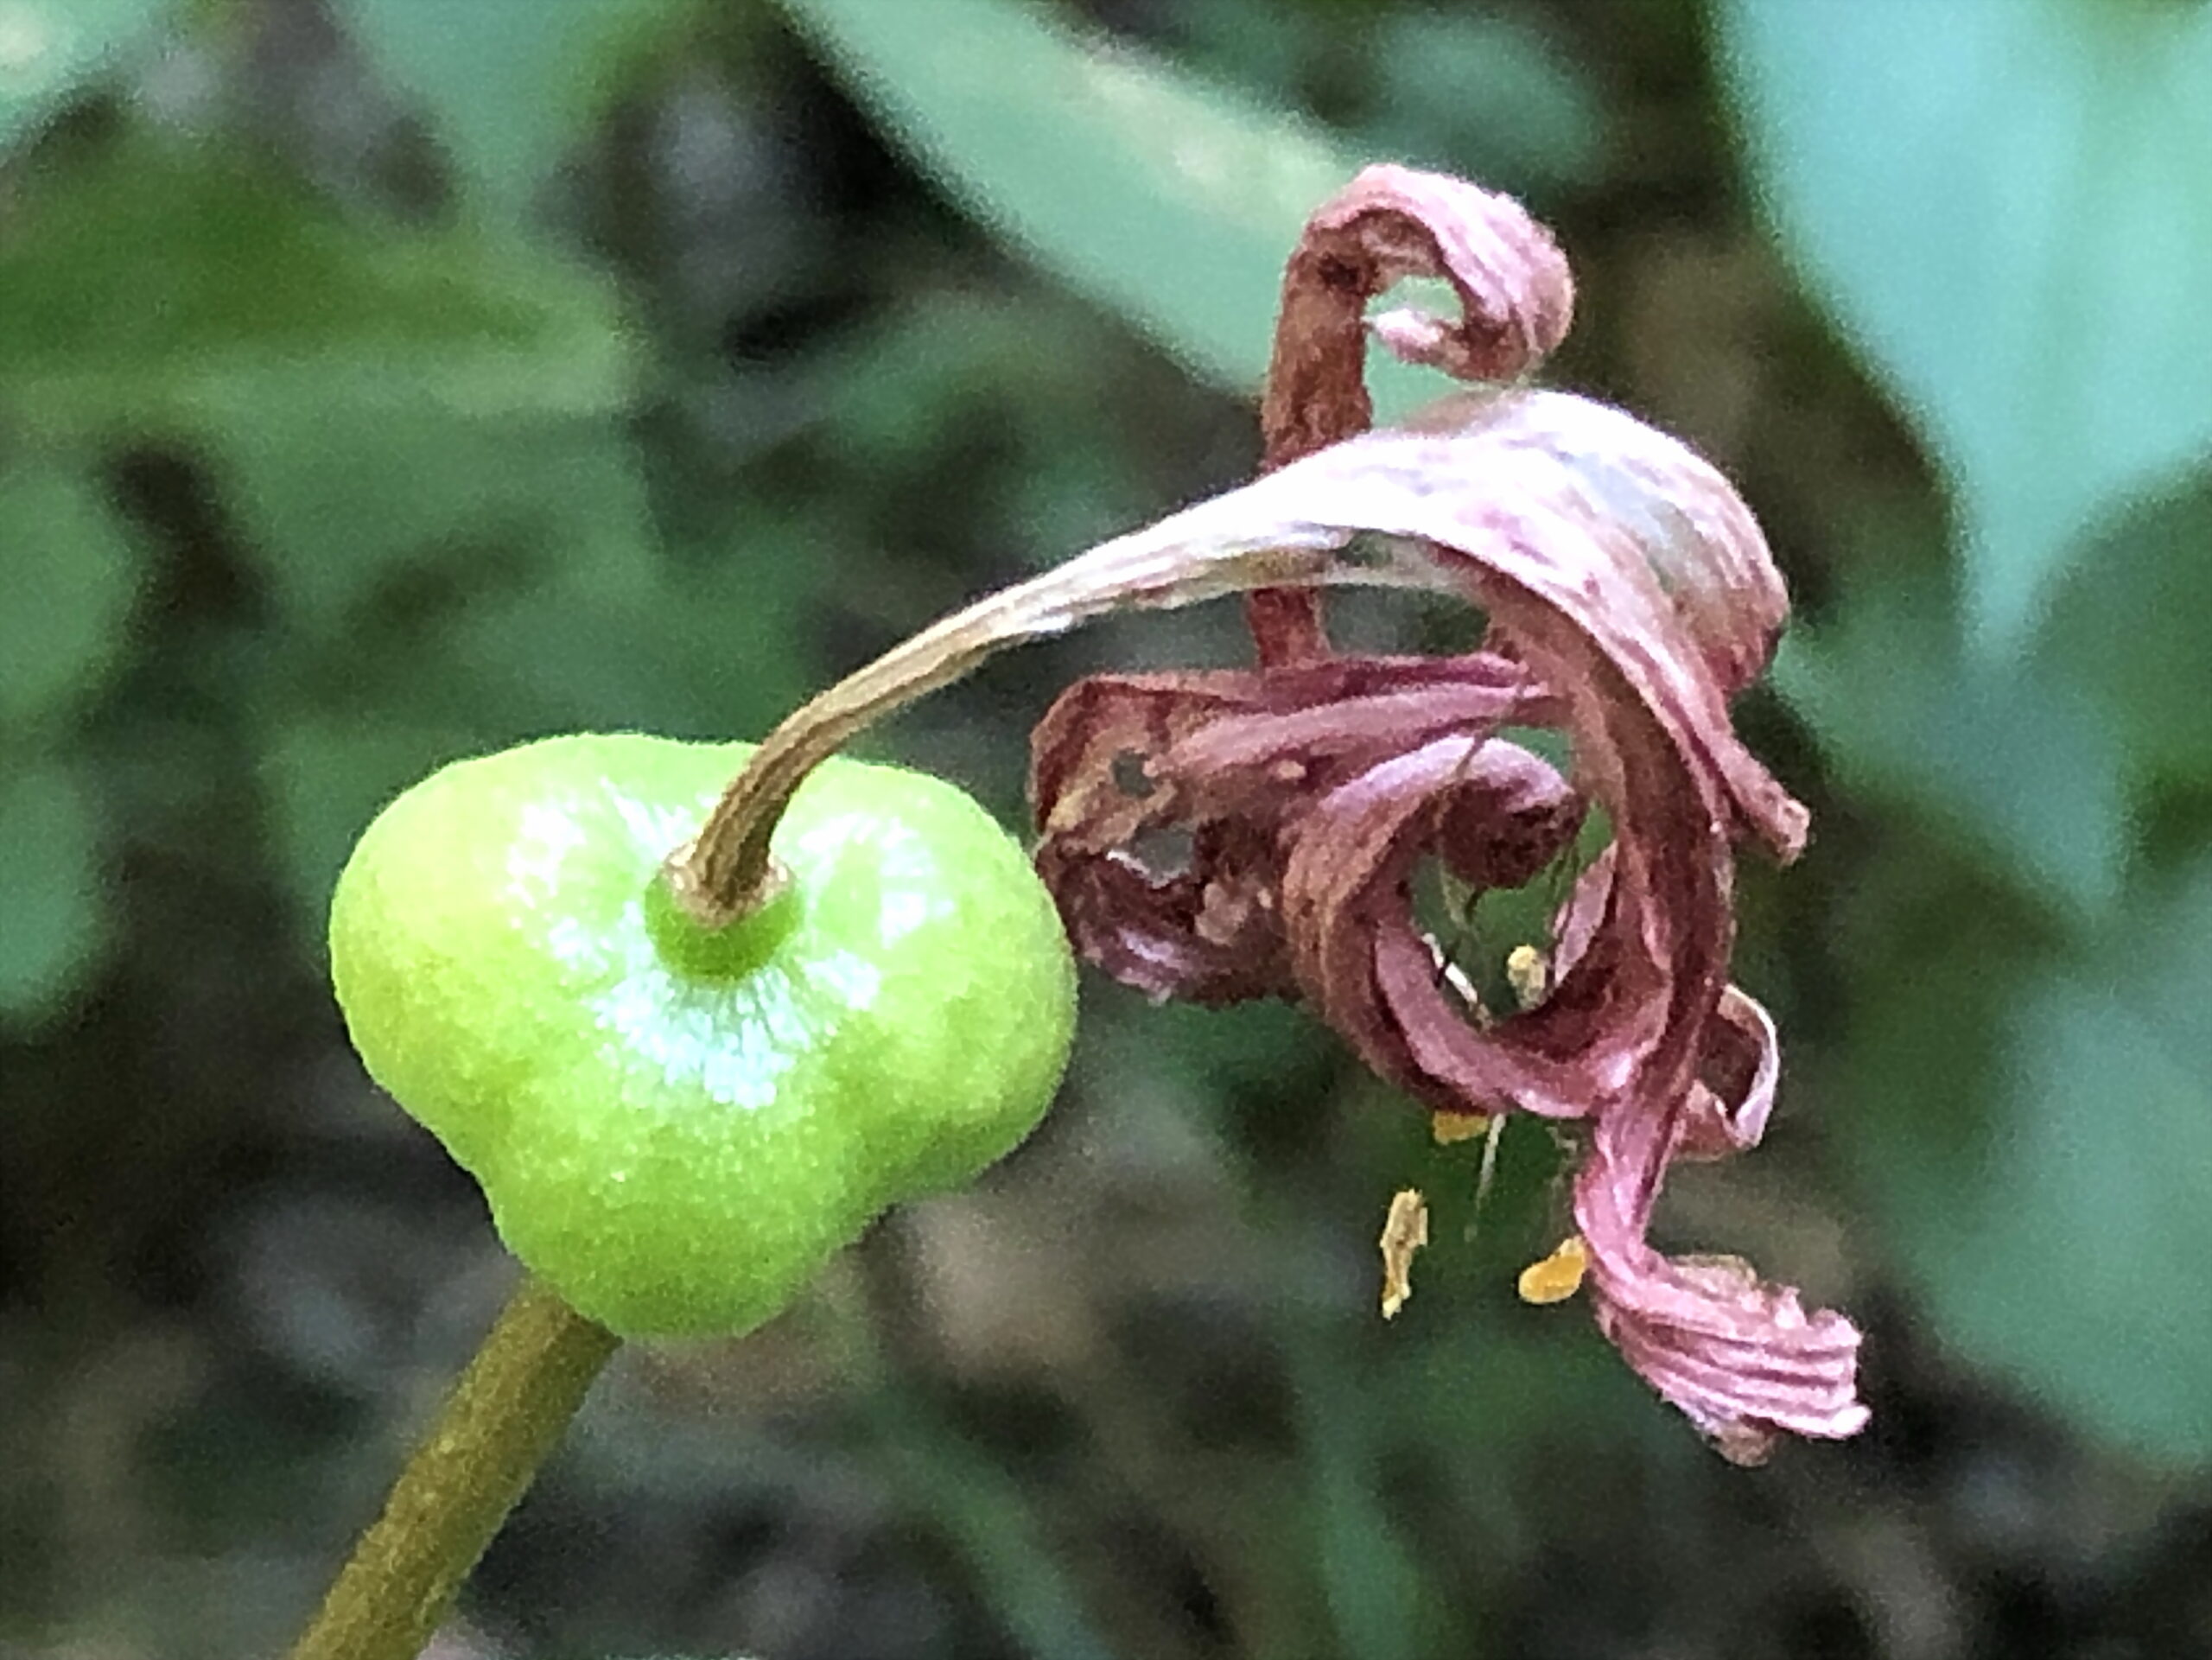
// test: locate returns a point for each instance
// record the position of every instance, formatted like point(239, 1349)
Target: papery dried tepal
point(1629, 595)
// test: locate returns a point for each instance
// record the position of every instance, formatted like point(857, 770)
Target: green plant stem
point(503, 1416)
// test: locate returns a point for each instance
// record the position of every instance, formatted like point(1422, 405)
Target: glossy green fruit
point(676, 1128)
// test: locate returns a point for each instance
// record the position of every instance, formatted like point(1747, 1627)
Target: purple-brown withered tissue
point(1629, 595)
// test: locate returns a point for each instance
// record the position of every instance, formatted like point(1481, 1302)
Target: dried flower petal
point(1741, 1358)
point(1234, 758)
point(1515, 296)
point(1629, 596)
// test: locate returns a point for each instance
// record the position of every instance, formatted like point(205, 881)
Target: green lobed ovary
point(675, 1129)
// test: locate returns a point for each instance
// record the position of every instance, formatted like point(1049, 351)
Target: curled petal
point(1576, 925)
point(1206, 932)
point(1581, 595)
point(1516, 297)
point(1742, 1359)
point(1624, 532)
point(1629, 596)
point(1728, 1109)
point(1230, 758)
point(1586, 589)
point(1357, 951)
point(1348, 892)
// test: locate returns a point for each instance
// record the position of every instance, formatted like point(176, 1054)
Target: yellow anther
point(1405, 1230)
point(1450, 1129)
point(1529, 974)
point(1559, 1276)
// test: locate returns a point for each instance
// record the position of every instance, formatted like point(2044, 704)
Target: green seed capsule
point(675, 1126)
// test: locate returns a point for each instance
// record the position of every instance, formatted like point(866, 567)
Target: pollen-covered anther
point(1559, 1276)
point(1530, 974)
point(1450, 1129)
point(1405, 1230)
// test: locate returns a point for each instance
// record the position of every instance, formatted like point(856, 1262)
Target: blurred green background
point(385, 380)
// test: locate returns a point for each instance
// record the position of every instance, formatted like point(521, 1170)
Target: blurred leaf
point(1173, 202)
point(69, 576)
point(717, 654)
point(2011, 764)
point(958, 380)
point(371, 397)
point(986, 1519)
point(942, 362)
point(1372, 1579)
point(1934, 968)
point(143, 293)
point(2006, 204)
point(2039, 1138)
point(52, 919)
point(410, 498)
point(49, 48)
point(508, 83)
point(1490, 96)
point(1485, 1393)
point(2128, 626)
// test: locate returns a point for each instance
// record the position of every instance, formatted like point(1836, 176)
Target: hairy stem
point(503, 1416)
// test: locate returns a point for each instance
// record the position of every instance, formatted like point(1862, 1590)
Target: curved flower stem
point(503, 1416)
point(1204, 553)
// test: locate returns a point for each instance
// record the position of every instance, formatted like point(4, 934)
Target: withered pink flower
point(1230, 835)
